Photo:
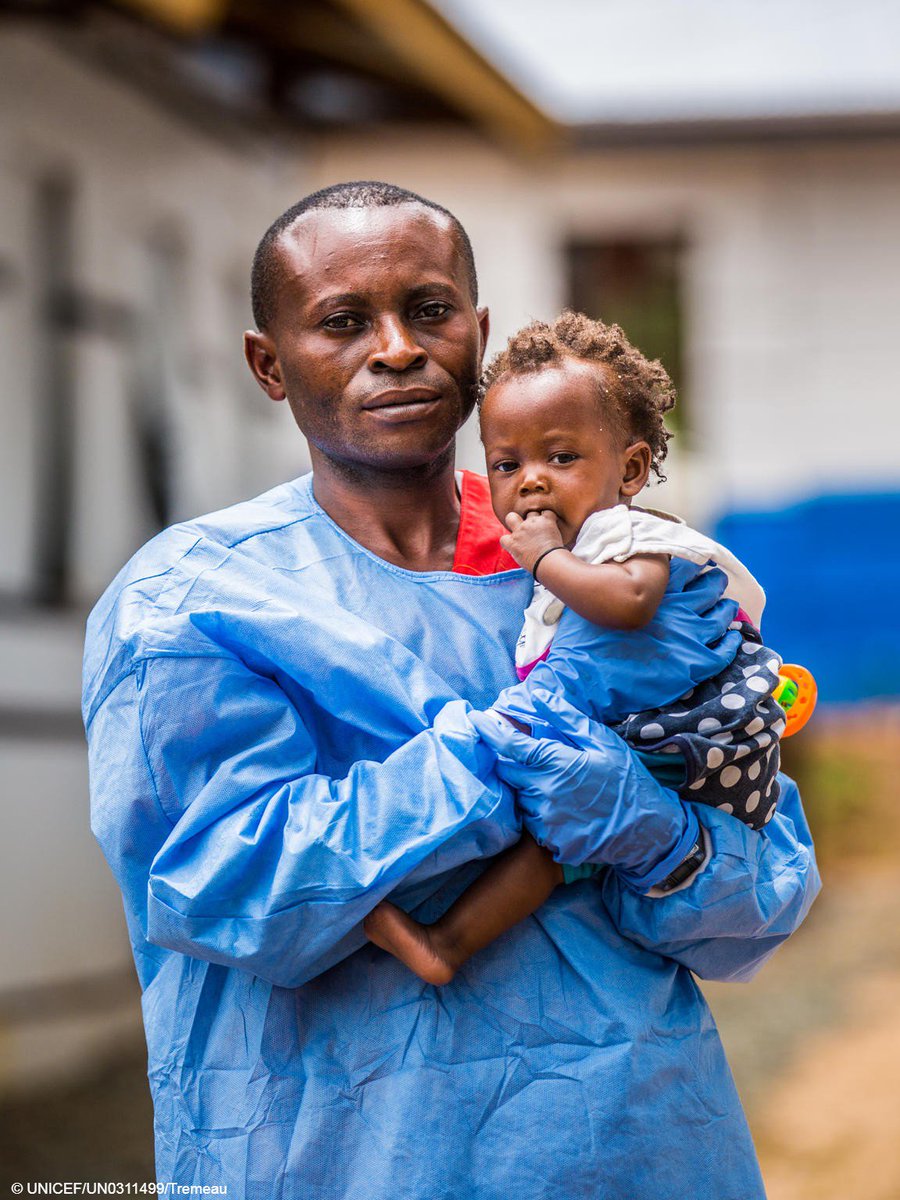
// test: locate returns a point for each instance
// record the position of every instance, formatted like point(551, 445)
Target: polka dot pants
point(727, 731)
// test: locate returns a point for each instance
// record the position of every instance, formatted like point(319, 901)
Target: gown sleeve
point(752, 894)
point(270, 865)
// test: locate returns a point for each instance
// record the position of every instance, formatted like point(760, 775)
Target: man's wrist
point(680, 849)
point(688, 865)
point(687, 869)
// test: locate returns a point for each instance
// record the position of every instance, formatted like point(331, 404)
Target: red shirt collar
point(478, 549)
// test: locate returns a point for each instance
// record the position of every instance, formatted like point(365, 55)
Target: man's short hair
point(364, 193)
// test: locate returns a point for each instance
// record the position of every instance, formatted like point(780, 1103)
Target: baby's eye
point(563, 458)
point(505, 466)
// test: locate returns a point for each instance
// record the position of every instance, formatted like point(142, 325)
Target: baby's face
point(549, 447)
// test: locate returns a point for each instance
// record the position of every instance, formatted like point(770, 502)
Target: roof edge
point(446, 62)
point(715, 130)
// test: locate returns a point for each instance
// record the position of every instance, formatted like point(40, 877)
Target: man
point(279, 702)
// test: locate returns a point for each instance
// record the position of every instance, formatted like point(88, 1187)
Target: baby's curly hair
point(641, 391)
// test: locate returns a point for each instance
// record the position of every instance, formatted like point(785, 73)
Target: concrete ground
point(99, 1130)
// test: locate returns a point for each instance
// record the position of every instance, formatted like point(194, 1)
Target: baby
point(572, 425)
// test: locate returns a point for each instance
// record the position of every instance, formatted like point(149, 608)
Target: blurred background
point(720, 176)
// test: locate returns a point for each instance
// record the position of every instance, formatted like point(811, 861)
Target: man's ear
point(635, 468)
point(484, 326)
point(259, 351)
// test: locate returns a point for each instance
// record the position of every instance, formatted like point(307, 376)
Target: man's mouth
point(402, 404)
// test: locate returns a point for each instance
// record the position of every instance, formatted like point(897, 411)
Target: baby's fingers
point(541, 517)
point(513, 521)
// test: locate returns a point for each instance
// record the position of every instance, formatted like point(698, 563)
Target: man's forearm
point(255, 859)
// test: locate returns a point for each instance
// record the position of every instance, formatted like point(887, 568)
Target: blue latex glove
point(589, 799)
point(609, 673)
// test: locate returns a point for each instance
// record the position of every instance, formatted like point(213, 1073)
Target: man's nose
point(396, 349)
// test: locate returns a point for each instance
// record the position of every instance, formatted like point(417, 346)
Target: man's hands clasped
point(588, 799)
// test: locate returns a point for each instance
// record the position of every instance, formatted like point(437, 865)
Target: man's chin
point(387, 464)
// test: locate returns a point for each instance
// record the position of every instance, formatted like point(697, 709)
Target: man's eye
point(433, 310)
point(563, 458)
point(341, 320)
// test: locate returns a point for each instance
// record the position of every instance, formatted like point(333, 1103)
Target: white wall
point(137, 173)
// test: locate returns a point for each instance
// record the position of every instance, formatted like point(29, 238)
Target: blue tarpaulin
point(831, 570)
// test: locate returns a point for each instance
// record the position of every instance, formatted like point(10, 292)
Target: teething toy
point(796, 693)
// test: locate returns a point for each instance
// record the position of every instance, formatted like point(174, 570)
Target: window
point(160, 371)
point(636, 284)
point(53, 234)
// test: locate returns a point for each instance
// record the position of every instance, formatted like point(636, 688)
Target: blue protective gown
point(277, 740)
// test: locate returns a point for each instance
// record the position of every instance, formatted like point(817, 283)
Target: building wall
point(148, 240)
point(141, 182)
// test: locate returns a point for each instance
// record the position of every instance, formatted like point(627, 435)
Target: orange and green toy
point(796, 693)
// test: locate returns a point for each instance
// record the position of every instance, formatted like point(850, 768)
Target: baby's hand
point(530, 536)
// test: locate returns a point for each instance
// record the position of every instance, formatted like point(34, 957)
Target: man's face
point(376, 344)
